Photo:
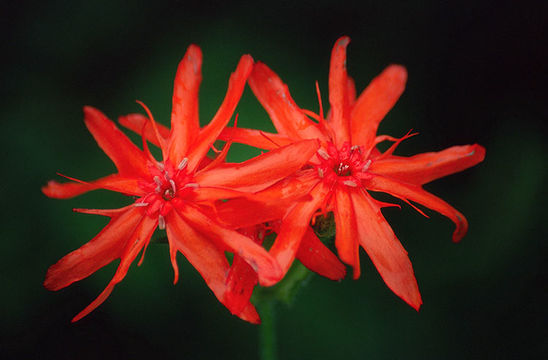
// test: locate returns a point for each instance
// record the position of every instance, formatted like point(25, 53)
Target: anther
point(320, 172)
point(158, 183)
point(173, 186)
point(161, 222)
point(366, 166)
point(350, 183)
point(183, 164)
point(160, 165)
point(323, 154)
point(355, 147)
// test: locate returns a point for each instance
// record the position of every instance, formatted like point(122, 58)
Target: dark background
point(477, 74)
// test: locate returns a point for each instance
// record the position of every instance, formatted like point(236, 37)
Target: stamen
point(160, 165)
point(183, 164)
point(323, 154)
point(161, 222)
point(350, 183)
point(190, 185)
point(355, 147)
point(320, 172)
point(173, 186)
point(158, 183)
point(139, 204)
point(366, 166)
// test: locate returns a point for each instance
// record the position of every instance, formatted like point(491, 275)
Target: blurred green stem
point(267, 331)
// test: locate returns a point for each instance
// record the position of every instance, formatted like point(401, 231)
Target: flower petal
point(135, 123)
point(257, 138)
point(185, 125)
point(374, 103)
point(423, 168)
point(260, 172)
point(286, 116)
point(129, 160)
point(419, 195)
point(104, 248)
point(240, 283)
point(338, 83)
point(112, 182)
point(256, 256)
point(203, 254)
point(346, 237)
point(135, 242)
point(267, 205)
point(313, 254)
point(210, 133)
point(384, 249)
point(295, 225)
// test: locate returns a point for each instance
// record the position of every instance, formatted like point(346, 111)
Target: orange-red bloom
point(348, 165)
point(176, 194)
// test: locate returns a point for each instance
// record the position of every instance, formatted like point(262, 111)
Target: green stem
point(267, 331)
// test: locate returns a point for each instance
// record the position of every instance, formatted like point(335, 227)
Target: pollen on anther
point(183, 164)
point(366, 166)
point(350, 183)
point(161, 222)
point(320, 172)
point(323, 154)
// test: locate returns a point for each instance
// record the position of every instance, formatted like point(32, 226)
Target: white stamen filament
point(173, 186)
point(161, 222)
point(183, 164)
point(350, 183)
point(366, 166)
point(320, 172)
point(323, 154)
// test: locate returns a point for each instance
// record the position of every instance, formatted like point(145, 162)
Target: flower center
point(345, 166)
point(169, 186)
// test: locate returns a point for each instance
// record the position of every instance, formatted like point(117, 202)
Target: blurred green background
point(477, 74)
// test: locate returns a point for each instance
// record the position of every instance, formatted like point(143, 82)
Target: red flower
point(348, 165)
point(176, 194)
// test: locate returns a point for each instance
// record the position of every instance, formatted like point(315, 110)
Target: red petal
point(203, 254)
point(256, 256)
point(270, 204)
point(135, 242)
point(260, 172)
point(417, 194)
point(210, 133)
point(374, 103)
point(135, 123)
point(294, 227)
point(338, 83)
point(346, 237)
point(98, 252)
point(317, 257)
point(185, 125)
point(423, 168)
point(384, 249)
point(274, 95)
point(257, 138)
point(112, 182)
point(129, 160)
point(240, 283)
